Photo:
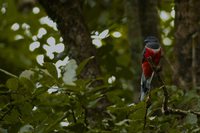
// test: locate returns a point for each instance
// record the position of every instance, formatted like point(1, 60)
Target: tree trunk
point(135, 41)
point(149, 18)
point(70, 22)
point(187, 46)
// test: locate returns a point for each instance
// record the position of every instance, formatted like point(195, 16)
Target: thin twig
point(8, 73)
point(73, 115)
point(182, 112)
point(6, 113)
point(166, 96)
point(148, 104)
point(85, 115)
point(165, 100)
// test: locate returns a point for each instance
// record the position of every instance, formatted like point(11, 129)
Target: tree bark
point(149, 18)
point(187, 46)
point(70, 22)
point(135, 40)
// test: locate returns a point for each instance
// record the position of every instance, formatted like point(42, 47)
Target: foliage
point(39, 101)
point(49, 96)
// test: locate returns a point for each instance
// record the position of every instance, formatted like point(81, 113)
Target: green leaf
point(99, 88)
point(51, 69)
point(25, 109)
point(12, 83)
point(40, 91)
point(28, 84)
point(26, 74)
point(191, 119)
point(82, 64)
point(13, 117)
point(56, 122)
point(69, 75)
point(138, 111)
point(54, 100)
point(26, 129)
point(46, 78)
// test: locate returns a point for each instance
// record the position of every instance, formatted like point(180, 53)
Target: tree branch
point(182, 112)
point(7, 112)
point(8, 73)
point(166, 96)
point(165, 108)
point(148, 104)
point(74, 117)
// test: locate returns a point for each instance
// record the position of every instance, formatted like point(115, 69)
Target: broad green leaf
point(46, 78)
point(59, 118)
point(191, 119)
point(26, 129)
point(138, 111)
point(69, 75)
point(26, 74)
point(54, 100)
point(13, 117)
point(28, 84)
point(51, 69)
point(12, 83)
point(83, 64)
point(18, 98)
point(40, 90)
point(25, 108)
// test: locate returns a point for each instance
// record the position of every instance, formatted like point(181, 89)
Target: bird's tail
point(145, 86)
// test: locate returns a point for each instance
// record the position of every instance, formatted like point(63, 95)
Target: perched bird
point(152, 49)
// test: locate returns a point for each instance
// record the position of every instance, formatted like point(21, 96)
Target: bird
point(152, 49)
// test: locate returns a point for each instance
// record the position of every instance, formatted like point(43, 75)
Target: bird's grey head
point(152, 42)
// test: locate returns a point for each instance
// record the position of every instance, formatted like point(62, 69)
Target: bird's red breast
point(155, 54)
